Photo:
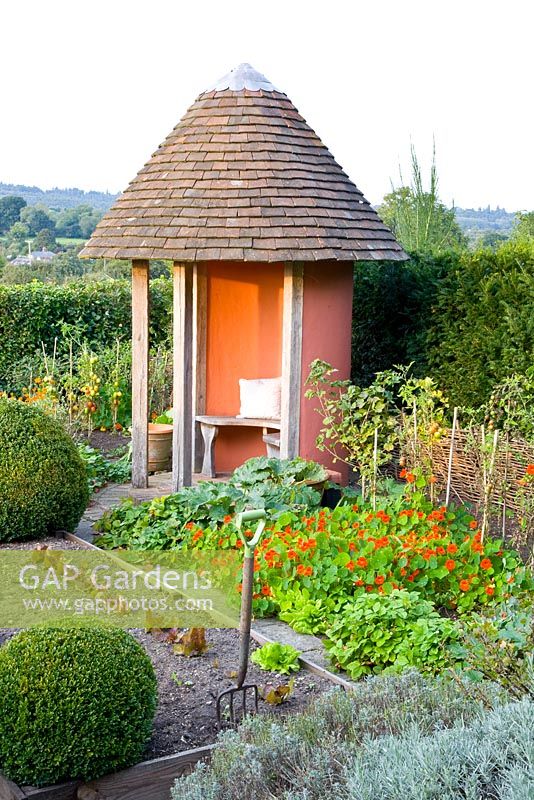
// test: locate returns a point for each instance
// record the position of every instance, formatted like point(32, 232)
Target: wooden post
point(182, 451)
point(291, 360)
point(200, 332)
point(140, 326)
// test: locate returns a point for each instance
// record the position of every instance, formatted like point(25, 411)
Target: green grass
point(66, 242)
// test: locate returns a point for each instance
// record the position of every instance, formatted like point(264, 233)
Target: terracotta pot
point(159, 447)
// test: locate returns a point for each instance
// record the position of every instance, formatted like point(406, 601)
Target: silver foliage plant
point(398, 738)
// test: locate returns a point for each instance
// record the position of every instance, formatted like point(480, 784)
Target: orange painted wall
point(327, 321)
point(244, 340)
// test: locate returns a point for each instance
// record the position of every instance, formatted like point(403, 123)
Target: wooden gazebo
point(262, 226)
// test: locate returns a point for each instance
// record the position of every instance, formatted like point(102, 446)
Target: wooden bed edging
point(148, 780)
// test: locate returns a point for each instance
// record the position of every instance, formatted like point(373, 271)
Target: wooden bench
point(209, 427)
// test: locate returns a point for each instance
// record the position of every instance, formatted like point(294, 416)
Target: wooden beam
point(140, 326)
point(182, 441)
point(291, 360)
point(200, 333)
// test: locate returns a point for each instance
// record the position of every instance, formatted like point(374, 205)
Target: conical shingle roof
point(242, 177)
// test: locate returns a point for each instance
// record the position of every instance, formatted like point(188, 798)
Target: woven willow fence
point(511, 458)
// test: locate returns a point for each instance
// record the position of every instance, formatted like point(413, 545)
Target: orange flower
point(309, 571)
point(197, 536)
point(465, 586)
point(291, 554)
point(450, 564)
point(227, 519)
point(402, 473)
point(379, 580)
point(359, 582)
point(266, 591)
point(362, 562)
point(410, 477)
point(432, 479)
point(350, 565)
point(530, 469)
point(485, 563)
point(490, 591)
point(473, 524)
point(451, 548)
point(301, 569)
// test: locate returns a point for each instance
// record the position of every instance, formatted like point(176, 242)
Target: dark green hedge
point(466, 319)
point(96, 313)
point(76, 703)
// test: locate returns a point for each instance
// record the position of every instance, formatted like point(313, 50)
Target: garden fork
point(226, 700)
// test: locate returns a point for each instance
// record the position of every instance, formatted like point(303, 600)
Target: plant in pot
point(160, 442)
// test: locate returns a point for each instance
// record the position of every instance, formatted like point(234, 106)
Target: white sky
point(89, 90)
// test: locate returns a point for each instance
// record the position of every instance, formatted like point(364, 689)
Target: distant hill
point(476, 222)
point(59, 199)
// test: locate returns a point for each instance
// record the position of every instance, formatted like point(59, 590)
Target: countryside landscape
point(267, 433)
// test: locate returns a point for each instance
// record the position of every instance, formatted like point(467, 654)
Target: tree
point(17, 237)
point(37, 218)
point(77, 223)
point(44, 240)
point(524, 226)
point(492, 239)
point(418, 219)
point(10, 208)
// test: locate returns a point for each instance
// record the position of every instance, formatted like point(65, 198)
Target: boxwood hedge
point(43, 482)
point(76, 703)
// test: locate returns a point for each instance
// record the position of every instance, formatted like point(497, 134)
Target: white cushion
point(260, 398)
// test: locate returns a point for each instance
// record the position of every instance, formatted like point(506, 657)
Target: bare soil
point(105, 441)
point(188, 688)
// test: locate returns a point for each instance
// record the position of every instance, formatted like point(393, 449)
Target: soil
point(188, 687)
point(50, 542)
point(105, 441)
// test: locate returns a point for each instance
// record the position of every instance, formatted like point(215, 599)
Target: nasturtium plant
point(390, 633)
point(276, 657)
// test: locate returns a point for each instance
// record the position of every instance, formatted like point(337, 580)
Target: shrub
point(482, 323)
point(95, 313)
point(316, 754)
point(43, 483)
point(464, 318)
point(390, 632)
point(76, 703)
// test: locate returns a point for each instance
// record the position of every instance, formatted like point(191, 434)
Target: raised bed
point(148, 780)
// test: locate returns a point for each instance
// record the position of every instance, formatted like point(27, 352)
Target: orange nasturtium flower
point(530, 469)
point(379, 580)
point(450, 564)
point(485, 563)
point(362, 562)
point(465, 586)
point(490, 591)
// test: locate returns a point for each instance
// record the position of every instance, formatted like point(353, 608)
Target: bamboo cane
point(451, 454)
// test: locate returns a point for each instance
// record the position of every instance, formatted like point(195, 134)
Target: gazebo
point(262, 226)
